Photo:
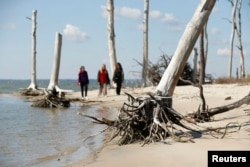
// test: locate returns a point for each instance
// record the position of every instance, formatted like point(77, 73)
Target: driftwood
point(52, 99)
point(149, 119)
point(152, 119)
point(205, 114)
point(31, 92)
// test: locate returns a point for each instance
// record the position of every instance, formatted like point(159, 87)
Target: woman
point(83, 81)
point(103, 80)
point(118, 77)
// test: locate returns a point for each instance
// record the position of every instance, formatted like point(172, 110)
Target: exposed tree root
point(52, 99)
point(32, 92)
point(150, 119)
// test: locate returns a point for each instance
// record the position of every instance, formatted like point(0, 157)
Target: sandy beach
point(171, 153)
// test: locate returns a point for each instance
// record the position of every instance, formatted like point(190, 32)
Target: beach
point(169, 152)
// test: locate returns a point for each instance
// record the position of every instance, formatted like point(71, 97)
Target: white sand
point(186, 99)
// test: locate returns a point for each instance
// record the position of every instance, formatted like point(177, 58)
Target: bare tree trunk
point(232, 36)
point(145, 44)
point(203, 54)
point(194, 76)
point(33, 84)
point(205, 48)
point(240, 47)
point(186, 43)
point(202, 61)
point(111, 35)
point(56, 65)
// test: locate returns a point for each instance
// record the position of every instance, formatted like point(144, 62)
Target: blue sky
point(83, 24)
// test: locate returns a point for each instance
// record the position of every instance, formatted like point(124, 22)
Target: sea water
point(31, 136)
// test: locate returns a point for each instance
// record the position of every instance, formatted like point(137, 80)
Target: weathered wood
point(111, 35)
point(186, 43)
point(56, 65)
point(33, 84)
point(149, 119)
point(52, 99)
point(232, 37)
point(218, 110)
point(240, 45)
point(202, 60)
point(145, 44)
point(194, 76)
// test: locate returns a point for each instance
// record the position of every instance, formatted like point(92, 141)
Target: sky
point(83, 25)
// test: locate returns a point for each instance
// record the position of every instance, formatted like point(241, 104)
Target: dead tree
point(152, 118)
point(186, 43)
point(240, 45)
point(56, 65)
point(156, 70)
point(203, 54)
point(33, 89)
point(202, 61)
point(205, 114)
point(53, 95)
point(194, 76)
point(234, 4)
point(111, 35)
point(236, 28)
point(145, 44)
point(33, 84)
point(53, 85)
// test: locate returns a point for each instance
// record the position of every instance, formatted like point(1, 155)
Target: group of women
point(103, 80)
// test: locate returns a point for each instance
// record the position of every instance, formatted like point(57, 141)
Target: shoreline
point(185, 100)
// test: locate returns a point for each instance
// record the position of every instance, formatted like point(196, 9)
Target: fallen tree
point(150, 119)
point(206, 114)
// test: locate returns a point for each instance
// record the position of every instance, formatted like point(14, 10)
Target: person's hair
point(119, 64)
point(103, 65)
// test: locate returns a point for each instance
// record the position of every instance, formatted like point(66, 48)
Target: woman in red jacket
point(103, 80)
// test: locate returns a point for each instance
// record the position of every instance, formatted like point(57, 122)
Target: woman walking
point(118, 77)
point(103, 80)
point(83, 81)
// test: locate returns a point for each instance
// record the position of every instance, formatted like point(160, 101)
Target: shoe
point(82, 98)
point(86, 98)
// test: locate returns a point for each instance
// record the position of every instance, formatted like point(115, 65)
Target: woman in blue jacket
point(83, 81)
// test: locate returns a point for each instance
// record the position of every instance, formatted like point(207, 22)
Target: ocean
point(41, 137)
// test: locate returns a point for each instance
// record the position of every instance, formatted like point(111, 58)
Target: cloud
point(130, 12)
point(215, 30)
point(8, 26)
point(169, 18)
point(104, 11)
point(140, 26)
point(227, 52)
point(175, 28)
point(155, 14)
point(74, 33)
point(223, 52)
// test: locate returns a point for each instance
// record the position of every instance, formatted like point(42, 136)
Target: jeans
point(84, 89)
